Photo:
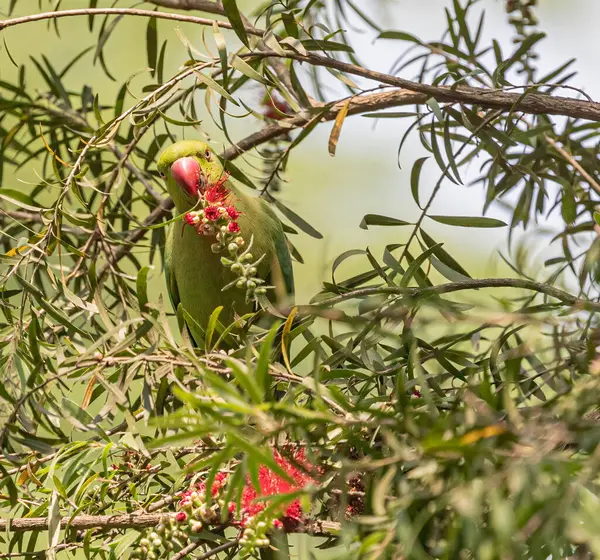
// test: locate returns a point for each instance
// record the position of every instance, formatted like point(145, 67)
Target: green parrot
point(195, 275)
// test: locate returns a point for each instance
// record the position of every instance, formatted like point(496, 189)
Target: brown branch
point(531, 103)
point(4, 24)
point(134, 520)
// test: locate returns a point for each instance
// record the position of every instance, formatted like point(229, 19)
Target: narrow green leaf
point(415, 177)
point(415, 265)
point(378, 220)
point(331, 46)
point(152, 44)
point(235, 18)
point(261, 371)
point(400, 36)
point(299, 222)
point(209, 82)
point(210, 327)
point(141, 286)
point(468, 221)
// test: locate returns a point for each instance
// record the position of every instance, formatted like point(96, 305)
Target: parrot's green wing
point(282, 276)
point(169, 273)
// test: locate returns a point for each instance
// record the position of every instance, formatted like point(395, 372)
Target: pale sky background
point(334, 193)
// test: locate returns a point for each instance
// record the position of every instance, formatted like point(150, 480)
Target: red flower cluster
point(271, 484)
point(215, 212)
point(212, 213)
point(217, 191)
point(232, 212)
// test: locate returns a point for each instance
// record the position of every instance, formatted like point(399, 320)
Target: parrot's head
point(188, 168)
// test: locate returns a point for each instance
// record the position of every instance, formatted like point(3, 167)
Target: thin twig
point(216, 550)
point(576, 165)
point(450, 287)
point(189, 548)
point(124, 12)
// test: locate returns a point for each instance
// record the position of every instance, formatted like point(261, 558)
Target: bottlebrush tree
point(414, 411)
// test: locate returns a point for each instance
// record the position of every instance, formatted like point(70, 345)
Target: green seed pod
point(160, 529)
point(145, 543)
point(260, 291)
point(232, 248)
point(157, 543)
point(251, 271)
point(241, 283)
point(236, 267)
point(216, 247)
point(251, 284)
point(247, 257)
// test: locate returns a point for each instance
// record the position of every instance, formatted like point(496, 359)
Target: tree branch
point(358, 105)
point(135, 520)
point(532, 103)
point(4, 24)
point(475, 284)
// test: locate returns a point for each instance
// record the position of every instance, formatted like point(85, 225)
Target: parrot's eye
point(162, 175)
point(207, 155)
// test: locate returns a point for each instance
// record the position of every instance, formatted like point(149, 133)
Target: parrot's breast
point(200, 279)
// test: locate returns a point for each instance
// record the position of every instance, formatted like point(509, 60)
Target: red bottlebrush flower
point(416, 393)
point(278, 524)
point(181, 516)
point(294, 511)
point(212, 213)
point(217, 191)
point(232, 212)
point(233, 227)
point(190, 219)
point(272, 484)
point(219, 482)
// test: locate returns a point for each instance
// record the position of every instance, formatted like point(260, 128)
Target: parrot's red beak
point(187, 173)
